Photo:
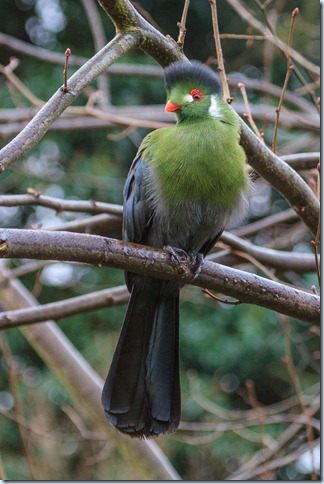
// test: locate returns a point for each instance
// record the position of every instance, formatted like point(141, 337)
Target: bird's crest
point(194, 71)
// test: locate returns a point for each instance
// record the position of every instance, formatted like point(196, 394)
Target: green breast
point(201, 160)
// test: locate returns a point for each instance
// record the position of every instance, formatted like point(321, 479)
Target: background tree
point(249, 374)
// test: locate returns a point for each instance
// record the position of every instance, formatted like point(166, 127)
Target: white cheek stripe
point(214, 108)
point(188, 98)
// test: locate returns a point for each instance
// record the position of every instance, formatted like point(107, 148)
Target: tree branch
point(126, 19)
point(60, 205)
point(116, 296)
point(279, 259)
point(99, 40)
point(101, 251)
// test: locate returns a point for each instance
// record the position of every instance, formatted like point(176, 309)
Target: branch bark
point(279, 259)
point(102, 251)
point(116, 296)
point(299, 262)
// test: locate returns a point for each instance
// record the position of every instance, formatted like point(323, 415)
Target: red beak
point(170, 106)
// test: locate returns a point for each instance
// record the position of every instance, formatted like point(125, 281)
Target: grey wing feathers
point(137, 211)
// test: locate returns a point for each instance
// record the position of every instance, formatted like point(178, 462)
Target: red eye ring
point(196, 95)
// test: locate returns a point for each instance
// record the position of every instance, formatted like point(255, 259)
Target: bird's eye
point(196, 95)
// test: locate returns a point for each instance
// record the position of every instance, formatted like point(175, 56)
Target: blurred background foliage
point(222, 346)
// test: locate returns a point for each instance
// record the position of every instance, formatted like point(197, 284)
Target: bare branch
point(248, 114)
point(60, 205)
point(274, 464)
point(290, 67)
point(102, 251)
point(220, 60)
point(126, 19)
point(264, 223)
point(152, 117)
point(61, 309)
point(182, 25)
point(99, 40)
point(302, 161)
point(281, 260)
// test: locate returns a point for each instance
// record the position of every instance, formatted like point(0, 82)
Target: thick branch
point(102, 251)
point(274, 258)
point(126, 19)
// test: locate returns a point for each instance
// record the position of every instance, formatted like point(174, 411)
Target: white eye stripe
point(188, 98)
point(214, 108)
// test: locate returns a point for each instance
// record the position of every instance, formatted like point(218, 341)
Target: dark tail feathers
point(141, 396)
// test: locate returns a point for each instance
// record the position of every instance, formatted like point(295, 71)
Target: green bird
point(186, 184)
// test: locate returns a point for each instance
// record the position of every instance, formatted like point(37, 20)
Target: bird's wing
point(138, 213)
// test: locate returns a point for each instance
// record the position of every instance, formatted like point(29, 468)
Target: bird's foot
point(191, 260)
point(197, 260)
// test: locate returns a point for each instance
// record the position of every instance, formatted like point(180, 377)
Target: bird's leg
point(193, 260)
point(196, 262)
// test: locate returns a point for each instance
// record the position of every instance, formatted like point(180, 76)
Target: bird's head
point(193, 90)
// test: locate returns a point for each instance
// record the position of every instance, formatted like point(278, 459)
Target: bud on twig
point(295, 12)
point(67, 55)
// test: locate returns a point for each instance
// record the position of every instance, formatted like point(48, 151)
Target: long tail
point(141, 396)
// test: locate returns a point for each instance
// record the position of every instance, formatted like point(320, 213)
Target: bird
point(186, 184)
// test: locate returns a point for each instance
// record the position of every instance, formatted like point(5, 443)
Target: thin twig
point(65, 71)
point(242, 36)
point(219, 299)
point(16, 82)
point(290, 68)
point(248, 114)
point(99, 41)
point(3, 476)
point(182, 25)
point(59, 205)
point(220, 60)
point(17, 410)
point(315, 243)
point(274, 464)
point(288, 360)
point(253, 401)
point(286, 52)
point(245, 13)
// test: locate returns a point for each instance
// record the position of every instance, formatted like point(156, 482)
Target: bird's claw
point(192, 260)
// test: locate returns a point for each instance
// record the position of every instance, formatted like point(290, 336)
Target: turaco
point(186, 184)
